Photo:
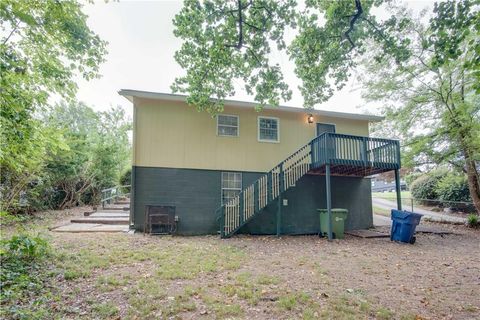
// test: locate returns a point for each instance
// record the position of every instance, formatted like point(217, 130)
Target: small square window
point(268, 129)
point(227, 125)
point(231, 185)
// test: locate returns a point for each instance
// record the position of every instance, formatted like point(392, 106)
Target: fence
point(435, 205)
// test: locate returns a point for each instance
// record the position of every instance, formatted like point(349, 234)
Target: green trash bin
point(338, 222)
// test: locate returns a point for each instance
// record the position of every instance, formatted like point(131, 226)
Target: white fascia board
point(130, 94)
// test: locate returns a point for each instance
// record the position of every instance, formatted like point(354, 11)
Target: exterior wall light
point(310, 118)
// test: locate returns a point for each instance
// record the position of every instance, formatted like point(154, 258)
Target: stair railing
point(265, 189)
point(109, 195)
point(327, 148)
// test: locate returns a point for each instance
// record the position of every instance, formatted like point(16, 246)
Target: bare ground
point(122, 276)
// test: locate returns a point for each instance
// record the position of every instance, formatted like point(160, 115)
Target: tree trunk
point(473, 183)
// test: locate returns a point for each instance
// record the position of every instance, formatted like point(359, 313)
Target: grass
point(391, 195)
point(248, 288)
point(381, 211)
point(135, 277)
point(352, 306)
point(110, 282)
point(289, 302)
point(105, 310)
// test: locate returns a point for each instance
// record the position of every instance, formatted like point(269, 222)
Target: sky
point(141, 48)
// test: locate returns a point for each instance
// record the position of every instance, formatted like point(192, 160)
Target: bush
point(24, 248)
point(23, 260)
point(473, 221)
point(126, 178)
point(453, 187)
point(426, 186)
point(412, 177)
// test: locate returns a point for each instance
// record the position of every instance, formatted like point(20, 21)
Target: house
point(252, 172)
point(380, 184)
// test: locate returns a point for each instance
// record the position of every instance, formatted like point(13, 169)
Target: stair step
point(116, 208)
point(101, 220)
point(109, 215)
point(90, 227)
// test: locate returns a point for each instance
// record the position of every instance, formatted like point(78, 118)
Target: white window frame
point(278, 129)
point(238, 125)
point(231, 189)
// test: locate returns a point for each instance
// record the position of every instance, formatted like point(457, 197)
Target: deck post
point(329, 200)
point(398, 189)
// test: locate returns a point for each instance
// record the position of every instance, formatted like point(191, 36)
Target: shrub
point(425, 186)
point(23, 276)
point(473, 221)
point(24, 248)
point(453, 187)
point(7, 218)
point(126, 178)
point(412, 177)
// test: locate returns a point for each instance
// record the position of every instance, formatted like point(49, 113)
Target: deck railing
point(342, 149)
point(328, 148)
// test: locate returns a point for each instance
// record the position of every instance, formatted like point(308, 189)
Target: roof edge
point(130, 94)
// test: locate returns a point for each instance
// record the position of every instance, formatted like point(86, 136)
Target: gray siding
point(196, 196)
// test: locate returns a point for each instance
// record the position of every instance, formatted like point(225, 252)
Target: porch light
point(310, 118)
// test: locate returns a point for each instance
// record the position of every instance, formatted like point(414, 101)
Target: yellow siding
point(174, 135)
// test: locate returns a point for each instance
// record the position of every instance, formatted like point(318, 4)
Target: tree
point(432, 97)
point(46, 44)
point(226, 41)
point(429, 72)
point(97, 154)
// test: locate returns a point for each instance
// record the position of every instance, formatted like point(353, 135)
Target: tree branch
point(355, 17)
point(15, 27)
point(240, 25)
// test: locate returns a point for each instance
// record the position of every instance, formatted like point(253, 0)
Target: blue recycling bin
point(403, 226)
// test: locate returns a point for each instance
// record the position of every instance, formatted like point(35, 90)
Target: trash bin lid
point(401, 215)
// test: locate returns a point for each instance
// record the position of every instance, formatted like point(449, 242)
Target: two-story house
point(252, 172)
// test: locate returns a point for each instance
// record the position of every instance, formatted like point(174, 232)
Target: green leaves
point(44, 45)
point(430, 88)
point(229, 41)
point(227, 44)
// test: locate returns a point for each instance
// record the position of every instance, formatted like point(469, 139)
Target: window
point(231, 185)
point(268, 129)
point(227, 125)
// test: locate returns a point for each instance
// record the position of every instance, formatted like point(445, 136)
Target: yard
point(124, 276)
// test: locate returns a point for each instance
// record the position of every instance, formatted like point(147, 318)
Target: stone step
point(101, 220)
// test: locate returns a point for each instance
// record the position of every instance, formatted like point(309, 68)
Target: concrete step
point(101, 214)
point(101, 220)
point(110, 208)
point(121, 202)
point(91, 227)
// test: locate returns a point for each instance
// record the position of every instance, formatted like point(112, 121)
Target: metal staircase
point(329, 153)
